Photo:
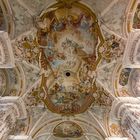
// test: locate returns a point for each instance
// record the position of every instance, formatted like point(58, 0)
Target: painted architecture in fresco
point(69, 70)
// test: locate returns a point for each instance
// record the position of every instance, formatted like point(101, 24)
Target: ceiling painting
point(11, 82)
point(67, 49)
point(106, 80)
point(123, 82)
point(31, 73)
point(136, 19)
point(101, 115)
point(26, 49)
point(124, 76)
point(112, 19)
point(15, 81)
point(69, 44)
point(68, 66)
point(21, 127)
point(134, 82)
point(81, 38)
point(68, 130)
point(98, 6)
point(22, 18)
point(36, 6)
point(112, 49)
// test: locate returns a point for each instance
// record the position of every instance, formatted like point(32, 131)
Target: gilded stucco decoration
point(70, 51)
point(73, 59)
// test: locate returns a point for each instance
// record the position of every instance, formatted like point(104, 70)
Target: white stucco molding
point(19, 137)
point(11, 109)
point(127, 111)
point(117, 138)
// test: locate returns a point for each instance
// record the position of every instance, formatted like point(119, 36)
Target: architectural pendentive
point(127, 110)
point(11, 109)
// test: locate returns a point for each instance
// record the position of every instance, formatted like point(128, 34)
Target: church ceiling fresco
point(136, 20)
point(134, 84)
point(68, 77)
point(124, 77)
point(98, 6)
point(68, 57)
point(22, 18)
point(123, 82)
point(34, 7)
point(68, 130)
point(113, 19)
point(11, 80)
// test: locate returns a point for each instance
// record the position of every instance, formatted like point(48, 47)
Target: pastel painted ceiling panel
point(22, 18)
point(114, 18)
point(36, 6)
point(98, 6)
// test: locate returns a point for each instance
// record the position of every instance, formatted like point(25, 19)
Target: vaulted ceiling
point(68, 64)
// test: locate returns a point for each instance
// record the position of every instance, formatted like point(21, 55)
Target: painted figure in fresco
point(45, 34)
point(73, 22)
point(59, 26)
point(27, 49)
point(84, 23)
point(69, 22)
point(112, 48)
point(124, 76)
